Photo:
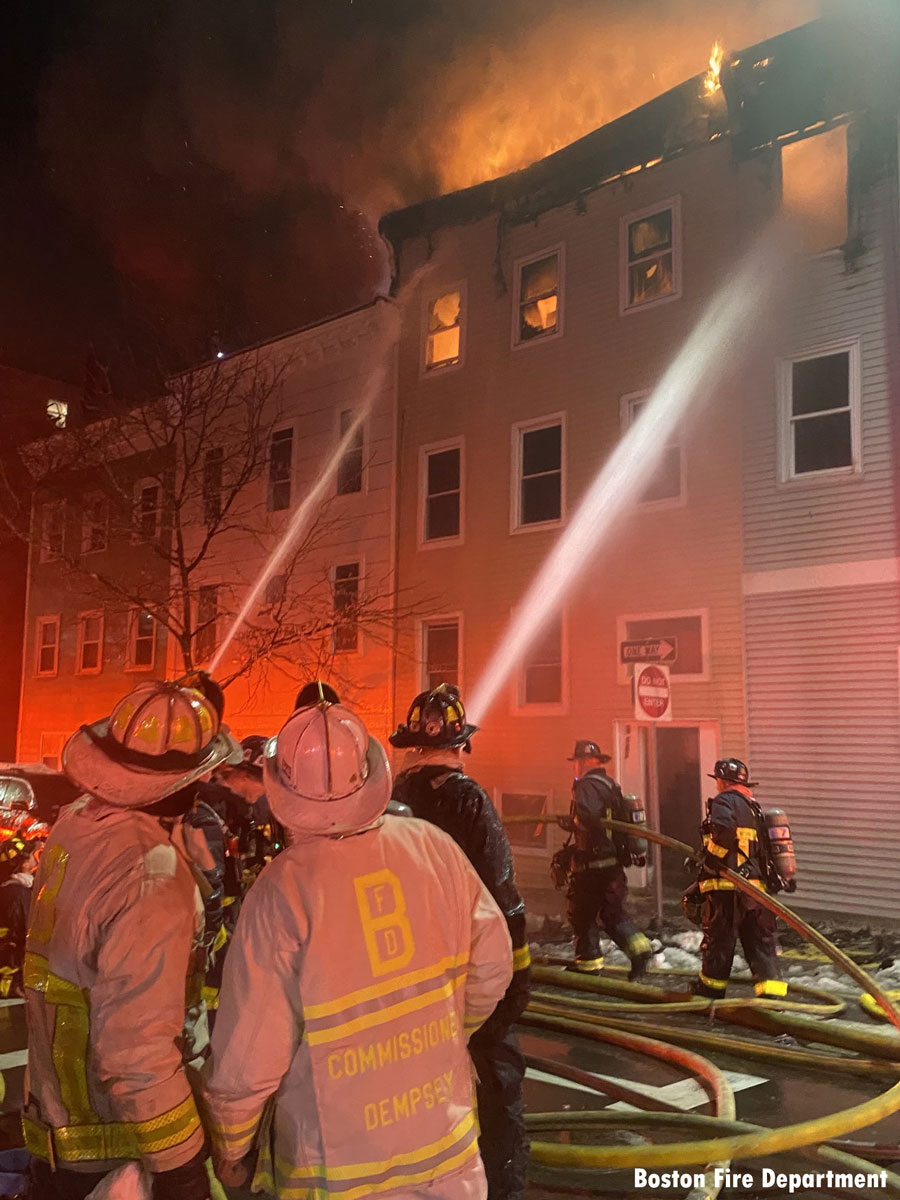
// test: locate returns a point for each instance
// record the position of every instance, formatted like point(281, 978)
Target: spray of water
point(304, 513)
point(711, 349)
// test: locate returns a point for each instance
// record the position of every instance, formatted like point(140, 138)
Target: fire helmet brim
point(303, 814)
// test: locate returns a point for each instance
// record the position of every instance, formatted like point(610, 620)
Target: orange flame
point(712, 83)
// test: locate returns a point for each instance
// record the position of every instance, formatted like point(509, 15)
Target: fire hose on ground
point(732, 1140)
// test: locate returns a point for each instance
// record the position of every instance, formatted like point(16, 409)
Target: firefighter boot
point(640, 952)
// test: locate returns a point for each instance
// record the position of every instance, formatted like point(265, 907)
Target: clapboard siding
point(824, 726)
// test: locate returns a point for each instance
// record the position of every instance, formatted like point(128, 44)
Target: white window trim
point(344, 562)
point(44, 555)
point(457, 443)
point(515, 341)
point(366, 451)
point(87, 525)
point(438, 619)
point(518, 708)
point(535, 852)
point(62, 738)
point(137, 536)
point(433, 294)
point(195, 612)
point(274, 512)
point(673, 202)
point(784, 385)
point(50, 619)
point(703, 676)
point(681, 499)
point(82, 617)
point(518, 429)
point(130, 664)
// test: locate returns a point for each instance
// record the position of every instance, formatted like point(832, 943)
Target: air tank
point(781, 844)
point(635, 815)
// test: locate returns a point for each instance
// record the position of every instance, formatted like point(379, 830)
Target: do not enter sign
point(652, 696)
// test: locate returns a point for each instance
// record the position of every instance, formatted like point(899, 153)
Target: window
point(651, 256)
point(346, 602)
point(281, 454)
point(820, 413)
point(666, 481)
point(46, 652)
point(442, 487)
point(95, 525)
point(58, 412)
point(141, 641)
point(212, 485)
point(53, 524)
point(537, 312)
point(440, 652)
point(276, 590)
point(541, 676)
point(90, 643)
point(814, 188)
point(538, 451)
point(443, 340)
point(148, 510)
point(207, 611)
point(51, 749)
point(687, 630)
point(525, 836)
point(350, 468)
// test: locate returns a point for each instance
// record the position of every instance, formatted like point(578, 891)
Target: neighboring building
point(539, 312)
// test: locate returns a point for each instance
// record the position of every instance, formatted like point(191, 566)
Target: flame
point(712, 83)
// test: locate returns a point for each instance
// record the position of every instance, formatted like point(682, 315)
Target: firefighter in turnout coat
point(732, 837)
point(114, 941)
point(436, 788)
point(363, 958)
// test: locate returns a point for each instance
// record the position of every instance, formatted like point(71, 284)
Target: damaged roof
point(776, 90)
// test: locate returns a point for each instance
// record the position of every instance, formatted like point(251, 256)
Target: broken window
point(541, 680)
point(525, 836)
point(442, 494)
point(820, 414)
point(53, 524)
point(207, 612)
point(281, 456)
point(440, 647)
point(443, 343)
point(95, 524)
point(814, 188)
point(141, 640)
point(664, 482)
point(538, 298)
point(685, 632)
point(346, 607)
point(349, 475)
point(212, 485)
point(540, 474)
point(58, 412)
point(148, 511)
point(651, 257)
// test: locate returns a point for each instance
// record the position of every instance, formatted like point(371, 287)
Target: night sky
point(177, 169)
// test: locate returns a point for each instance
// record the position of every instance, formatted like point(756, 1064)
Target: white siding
point(824, 718)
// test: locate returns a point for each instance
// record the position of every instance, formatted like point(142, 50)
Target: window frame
point(47, 507)
point(358, 648)
point(292, 472)
point(426, 372)
point(130, 665)
point(440, 619)
point(516, 342)
point(537, 852)
point(214, 455)
point(517, 430)
point(680, 501)
point(203, 590)
point(363, 472)
point(704, 676)
point(628, 219)
point(83, 617)
point(458, 539)
point(137, 536)
point(556, 708)
point(786, 475)
point(47, 620)
point(60, 739)
point(87, 524)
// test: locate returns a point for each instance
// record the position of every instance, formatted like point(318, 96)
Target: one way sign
point(655, 650)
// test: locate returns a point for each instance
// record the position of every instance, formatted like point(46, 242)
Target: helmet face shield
point(16, 794)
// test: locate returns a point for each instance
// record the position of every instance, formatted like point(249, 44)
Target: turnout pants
point(727, 916)
point(597, 899)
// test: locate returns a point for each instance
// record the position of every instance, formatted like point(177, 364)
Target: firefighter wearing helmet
point(734, 836)
point(437, 789)
point(18, 863)
point(114, 937)
point(364, 956)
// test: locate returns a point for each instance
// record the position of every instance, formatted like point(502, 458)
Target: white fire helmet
point(324, 773)
point(16, 793)
point(159, 738)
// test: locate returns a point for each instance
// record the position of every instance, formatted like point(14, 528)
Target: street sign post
point(661, 650)
point(652, 694)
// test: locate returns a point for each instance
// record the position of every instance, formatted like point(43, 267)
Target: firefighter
point(114, 940)
point(18, 863)
point(733, 834)
point(363, 958)
point(436, 788)
point(598, 886)
point(18, 809)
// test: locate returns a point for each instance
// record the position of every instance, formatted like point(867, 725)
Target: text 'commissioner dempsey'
point(787, 1183)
